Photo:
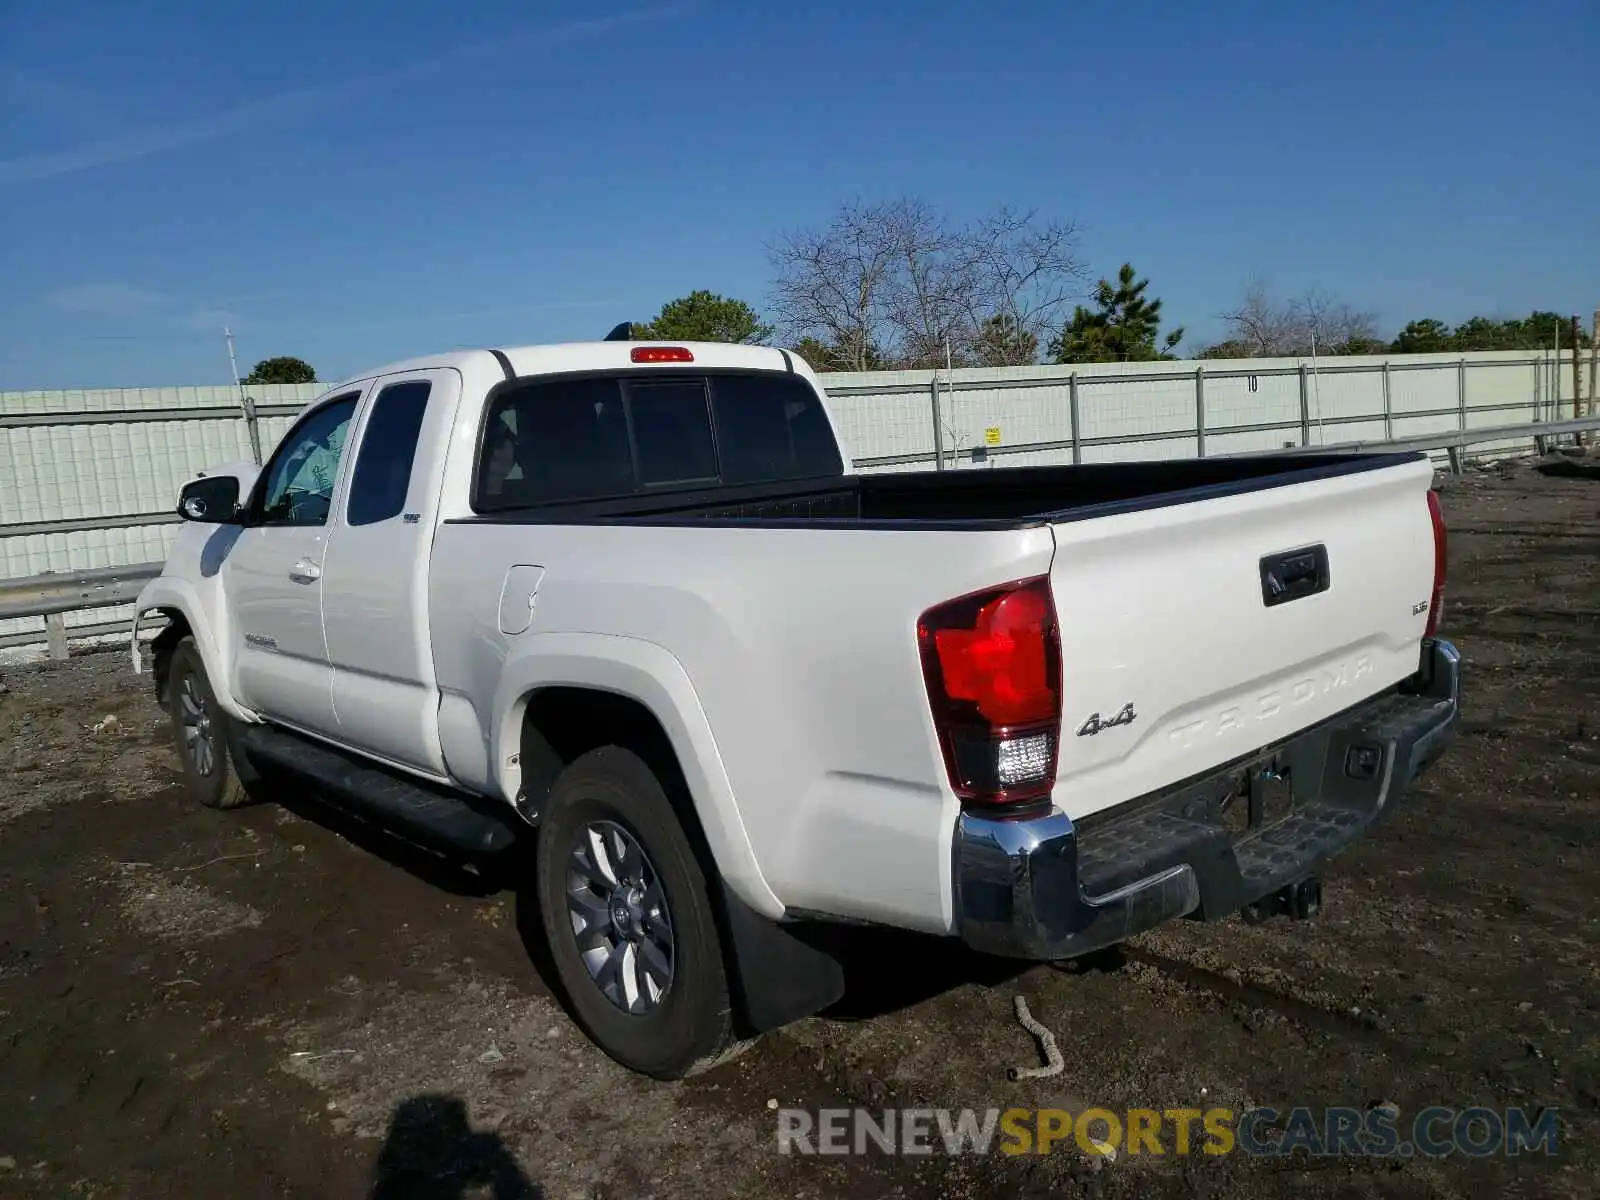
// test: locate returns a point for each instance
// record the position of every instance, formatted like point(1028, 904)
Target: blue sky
point(361, 182)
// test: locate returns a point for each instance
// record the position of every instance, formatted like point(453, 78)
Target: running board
point(413, 807)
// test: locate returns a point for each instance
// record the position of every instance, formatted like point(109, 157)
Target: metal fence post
point(1077, 435)
point(1577, 373)
point(938, 426)
point(1200, 411)
point(1388, 406)
point(55, 633)
point(1539, 445)
point(1305, 408)
point(1461, 395)
point(252, 428)
point(1594, 370)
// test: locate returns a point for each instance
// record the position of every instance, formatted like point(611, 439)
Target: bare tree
point(1263, 327)
point(1332, 326)
point(934, 274)
point(1026, 272)
point(833, 284)
point(1260, 325)
point(896, 284)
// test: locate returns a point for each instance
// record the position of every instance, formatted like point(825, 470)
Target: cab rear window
point(771, 428)
point(591, 437)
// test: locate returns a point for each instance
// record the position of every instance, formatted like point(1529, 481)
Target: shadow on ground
point(431, 1152)
point(886, 970)
point(447, 870)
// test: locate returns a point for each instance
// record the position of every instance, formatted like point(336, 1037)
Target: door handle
point(1291, 576)
point(305, 571)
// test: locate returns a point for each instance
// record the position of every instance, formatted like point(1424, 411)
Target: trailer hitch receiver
point(1299, 901)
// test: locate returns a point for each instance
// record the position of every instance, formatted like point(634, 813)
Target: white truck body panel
point(1162, 609)
point(797, 682)
point(384, 690)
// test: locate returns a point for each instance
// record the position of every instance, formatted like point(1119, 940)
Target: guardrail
point(1455, 442)
point(52, 596)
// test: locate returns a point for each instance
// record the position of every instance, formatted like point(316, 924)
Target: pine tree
point(1122, 327)
point(1002, 344)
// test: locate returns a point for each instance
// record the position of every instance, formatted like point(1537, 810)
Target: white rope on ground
point(1047, 1043)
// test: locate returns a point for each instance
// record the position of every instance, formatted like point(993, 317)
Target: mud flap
point(780, 972)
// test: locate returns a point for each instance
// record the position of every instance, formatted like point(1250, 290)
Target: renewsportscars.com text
point(1381, 1132)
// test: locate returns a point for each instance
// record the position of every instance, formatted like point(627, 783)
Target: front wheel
point(628, 917)
point(212, 767)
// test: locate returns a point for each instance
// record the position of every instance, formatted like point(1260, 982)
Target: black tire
point(223, 783)
point(691, 1026)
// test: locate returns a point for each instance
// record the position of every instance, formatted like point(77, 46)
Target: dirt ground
point(282, 1002)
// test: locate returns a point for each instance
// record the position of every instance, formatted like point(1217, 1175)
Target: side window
point(672, 431)
point(771, 428)
point(555, 440)
point(388, 449)
point(301, 476)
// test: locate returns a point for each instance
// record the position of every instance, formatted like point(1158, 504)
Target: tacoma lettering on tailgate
point(1270, 703)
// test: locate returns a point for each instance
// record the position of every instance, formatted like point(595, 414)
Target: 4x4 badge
point(1096, 723)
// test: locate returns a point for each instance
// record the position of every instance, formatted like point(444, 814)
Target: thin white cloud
point(104, 299)
point(209, 320)
point(155, 139)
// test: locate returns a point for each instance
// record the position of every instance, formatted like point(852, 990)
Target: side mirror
point(213, 500)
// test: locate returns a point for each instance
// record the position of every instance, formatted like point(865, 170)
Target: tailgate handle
point(1291, 576)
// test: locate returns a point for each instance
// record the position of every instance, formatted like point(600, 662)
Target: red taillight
point(1440, 564)
point(992, 665)
point(999, 665)
point(660, 354)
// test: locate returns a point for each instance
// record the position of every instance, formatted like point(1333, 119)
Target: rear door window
point(382, 478)
point(772, 427)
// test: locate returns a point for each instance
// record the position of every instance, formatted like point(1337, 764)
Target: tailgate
point(1173, 662)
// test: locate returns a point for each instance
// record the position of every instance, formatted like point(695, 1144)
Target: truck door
point(375, 580)
point(272, 573)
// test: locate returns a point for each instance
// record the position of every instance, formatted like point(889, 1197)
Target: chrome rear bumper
point(1042, 888)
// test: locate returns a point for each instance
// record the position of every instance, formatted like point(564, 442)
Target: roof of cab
point(598, 356)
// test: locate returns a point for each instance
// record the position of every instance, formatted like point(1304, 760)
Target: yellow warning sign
point(991, 436)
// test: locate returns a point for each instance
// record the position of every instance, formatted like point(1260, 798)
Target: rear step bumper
point(1042, 888)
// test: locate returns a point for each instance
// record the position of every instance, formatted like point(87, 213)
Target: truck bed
point(786, 615)
point(967, 498)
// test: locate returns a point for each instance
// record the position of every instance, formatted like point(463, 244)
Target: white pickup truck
point(630, 598)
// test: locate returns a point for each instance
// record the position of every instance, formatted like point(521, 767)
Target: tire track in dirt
point(1245, 994)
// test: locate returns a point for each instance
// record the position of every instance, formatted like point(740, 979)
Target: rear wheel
point(628, 918)
point(212, 767)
